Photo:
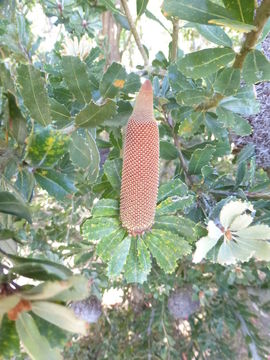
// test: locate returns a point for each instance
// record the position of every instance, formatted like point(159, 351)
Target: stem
point(134, 32)
point(69, 129)
point(175, 33)
point(212, 103)
point(262, 15)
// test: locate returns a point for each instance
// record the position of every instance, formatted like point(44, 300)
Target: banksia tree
point(139, 186)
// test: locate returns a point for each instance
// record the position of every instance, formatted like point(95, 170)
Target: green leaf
point(123, 114)
point(122, 20)
point(177, 80)
point(154, 18)
point(93, 115)
point(246, 153)
point(213, 34)
point(227, 82)
point(9, 204)
point(9, 340)
point(173, 204)
point(200, 158)
point(36, 346)
point(192, 97)
point(17, 123)
point(240, 174)
point(256, 67)
point(167, 248)
point(39, 269)
point(243, 10)
point(59, 113)
point(198, 11)
point(7, 303)
point(205, 62)
point(132, 84)
point(234, 122)
point(25, 183)
point(108, 243)
point(138, 264)
point(106, 208)
point(46, 290)
point(46, 147)
point(59, 315)
point(75, 75)
point(112, 81)
point(141, 6)
point(6, 79)
point(79, 289)
point(172, 188)
point(34, 93)
point(97, 228)
point(240, 105)
point(55, 183)
point(84, 154)
point(233, 24)
point(168, 151)
point(113, 171)
point(118, 258)
point(176, 224)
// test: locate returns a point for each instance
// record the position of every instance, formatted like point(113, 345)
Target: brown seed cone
point(140, 174)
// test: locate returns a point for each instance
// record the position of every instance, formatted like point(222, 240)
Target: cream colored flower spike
point(140, 173)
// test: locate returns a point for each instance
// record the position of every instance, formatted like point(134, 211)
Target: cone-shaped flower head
point(139, 186)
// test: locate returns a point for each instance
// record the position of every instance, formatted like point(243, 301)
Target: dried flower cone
point(139, 186)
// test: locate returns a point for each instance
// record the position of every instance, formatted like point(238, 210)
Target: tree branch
point(134, 32)
point(175, 35)
point(262, 15)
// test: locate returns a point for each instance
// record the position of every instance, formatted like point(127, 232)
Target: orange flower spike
point(140, 175)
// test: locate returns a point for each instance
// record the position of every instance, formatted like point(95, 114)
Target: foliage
point(62, 115)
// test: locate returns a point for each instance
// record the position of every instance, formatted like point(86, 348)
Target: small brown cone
point(140, 174)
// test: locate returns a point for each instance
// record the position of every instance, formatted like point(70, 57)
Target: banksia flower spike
point(139, 186)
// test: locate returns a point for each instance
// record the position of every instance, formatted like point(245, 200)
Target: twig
point(134, 32)
point(175, 33)
point(149, 330)
point(262, 15)
point(248, 194)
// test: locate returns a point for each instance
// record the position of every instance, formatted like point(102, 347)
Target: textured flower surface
point(240, 240)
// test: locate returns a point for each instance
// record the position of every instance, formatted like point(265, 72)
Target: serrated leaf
point(200, 158)
point(198, 11)
point(46, 147)
point(234, 122)
point(173, 204)
point(25, 183)
point(112, 81)
point(243, 10)
point(17, 123)
point(132, 83)
point(84, 154)
point(75, 75)
point(34, 93)
point(256, 67)
point(167, 150)
point(118, 258)
point(233, 24)
point(138, 264)
point(106, 208)
point(93, 115)
point(36, 346)
point(176, 224)
point(177, 80)
point(108, 243)
point(205, 62)
point(213, 34)
point(55, 183)
point(97, 228)
point(59, 113)
point(9, 204)
point(113, 171)
point(192, 97)
point(167, 248)
point(59, 315)
point(246, 153)
point(174, 187)
point(227, 81)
